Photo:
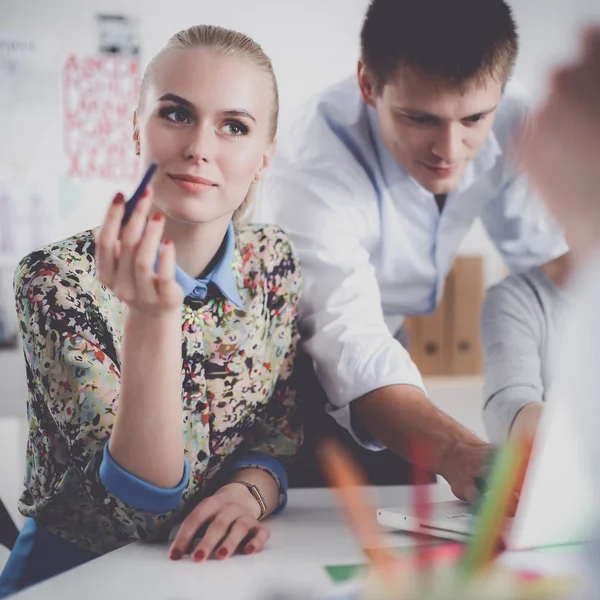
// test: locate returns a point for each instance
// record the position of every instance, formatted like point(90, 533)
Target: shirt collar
point(393, 172)
point(222, 275)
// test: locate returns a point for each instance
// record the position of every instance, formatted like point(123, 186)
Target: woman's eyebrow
point(238, 113)
point(177, 99)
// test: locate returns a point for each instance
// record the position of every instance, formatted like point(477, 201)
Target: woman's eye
point(180, 116)
point(235, 129)
point(177, 115)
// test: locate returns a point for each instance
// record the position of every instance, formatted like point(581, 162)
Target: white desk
point(310, 534)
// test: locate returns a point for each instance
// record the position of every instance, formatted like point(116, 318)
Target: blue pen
point(132, 202)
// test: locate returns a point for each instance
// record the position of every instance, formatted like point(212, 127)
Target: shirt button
point(200, 292)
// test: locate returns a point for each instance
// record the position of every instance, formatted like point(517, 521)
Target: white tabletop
point(309, 535)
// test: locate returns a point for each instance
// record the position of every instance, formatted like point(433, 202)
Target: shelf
point(453, 380)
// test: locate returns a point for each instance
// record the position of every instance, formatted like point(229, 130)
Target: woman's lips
point(191, 183)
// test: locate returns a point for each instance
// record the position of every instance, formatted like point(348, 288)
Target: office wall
point(312, 43)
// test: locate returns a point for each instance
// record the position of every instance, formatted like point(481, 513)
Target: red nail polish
point(157, 216)
point(199, 556)
point(146, 193)
point(176, 554)
point(167, 242)
point(222, 553)
point(249, 549)
point(118, 199)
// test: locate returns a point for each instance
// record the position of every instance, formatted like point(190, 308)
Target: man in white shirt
point(378, 182)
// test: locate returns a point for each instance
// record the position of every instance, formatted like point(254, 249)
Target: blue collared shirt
point(226, 423)
point(221, 276)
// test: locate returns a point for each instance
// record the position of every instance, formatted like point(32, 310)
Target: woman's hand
point(229, 522)
point(125, 260)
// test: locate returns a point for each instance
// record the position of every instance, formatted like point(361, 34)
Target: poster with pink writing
point(100, 94)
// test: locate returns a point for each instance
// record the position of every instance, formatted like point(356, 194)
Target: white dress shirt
point(371, 241)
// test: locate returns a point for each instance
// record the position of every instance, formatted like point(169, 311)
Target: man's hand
point(229, 519)
point(463, 463)
point(400, 415)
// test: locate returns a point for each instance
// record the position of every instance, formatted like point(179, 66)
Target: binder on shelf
point(428, 343)
point(465, 291)
point(447, 342)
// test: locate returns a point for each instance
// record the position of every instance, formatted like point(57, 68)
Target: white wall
point(312, 43)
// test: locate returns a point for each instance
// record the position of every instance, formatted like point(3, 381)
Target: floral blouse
point(236, 382)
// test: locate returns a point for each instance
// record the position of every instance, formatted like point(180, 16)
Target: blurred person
point(561, 154)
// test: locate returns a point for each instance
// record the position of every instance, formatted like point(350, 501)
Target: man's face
point(433, 131)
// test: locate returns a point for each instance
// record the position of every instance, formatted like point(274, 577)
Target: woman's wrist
point(140, 318)
point(264, 481)
point(242, 495)
point(161, 333)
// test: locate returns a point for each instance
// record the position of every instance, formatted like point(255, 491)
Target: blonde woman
point(159, 354)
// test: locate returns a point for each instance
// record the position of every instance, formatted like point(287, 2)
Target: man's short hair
point(454, 40)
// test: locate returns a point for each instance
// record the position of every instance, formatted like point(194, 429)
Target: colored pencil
point(505, 477)
point(420, 456)
point(348, 482)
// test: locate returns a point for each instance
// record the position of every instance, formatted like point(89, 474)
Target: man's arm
point(399, 416)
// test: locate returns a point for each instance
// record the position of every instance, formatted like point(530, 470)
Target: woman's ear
point(266, 160)
point(136, 133)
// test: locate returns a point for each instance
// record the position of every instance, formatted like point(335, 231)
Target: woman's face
point(205, 120)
